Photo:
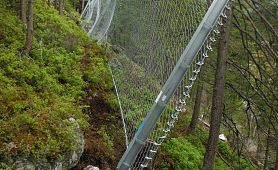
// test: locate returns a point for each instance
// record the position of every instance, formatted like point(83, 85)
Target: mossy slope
point(39, 92)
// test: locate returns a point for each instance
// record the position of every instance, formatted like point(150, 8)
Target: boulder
point(71, 158)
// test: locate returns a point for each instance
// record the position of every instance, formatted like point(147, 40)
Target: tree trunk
point(259, 149)
point(73, 4)
point(60, 7)
point(83, 5)
point(80, 6)
point(218, 96)
point(29, 34)
point(23, 11)
point(196, 112)
point(55, 4)
point(276, 161)
point(266, 158)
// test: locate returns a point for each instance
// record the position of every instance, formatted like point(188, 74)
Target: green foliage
point(4, 166)
point(227, 153)
point(125, 70)
point(220, 165)
point(109, 146)
point(102, 77)
point(41, 91)
point(188, 152)
point(11, 32)
point(225, 149)
point(112, 101)
point(183, 154)
point(247, 165)
point(57, 31)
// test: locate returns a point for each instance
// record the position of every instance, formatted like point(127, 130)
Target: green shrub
point(39, 92)
point(4, 166)
point(112, 101)
point(109, 146)
point(220, 165)
point(99, 74)
point(183, 154)
point(188, 152)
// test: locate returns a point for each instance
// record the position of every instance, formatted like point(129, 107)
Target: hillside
point(58, 107)
point(64, 76)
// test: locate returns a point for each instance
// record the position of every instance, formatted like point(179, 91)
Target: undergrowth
point(188, 152)
point(39, 92)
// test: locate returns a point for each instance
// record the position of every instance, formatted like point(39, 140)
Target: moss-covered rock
point(70, 159)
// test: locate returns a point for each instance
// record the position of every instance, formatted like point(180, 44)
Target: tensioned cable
point(151, 36)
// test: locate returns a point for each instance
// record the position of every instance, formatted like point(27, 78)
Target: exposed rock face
point(71, 158)
point(90, 167)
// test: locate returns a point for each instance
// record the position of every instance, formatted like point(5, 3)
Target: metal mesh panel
point(150, 36)
point(97, 17)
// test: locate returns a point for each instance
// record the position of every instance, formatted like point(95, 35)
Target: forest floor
point(95, 151)
point(104, 138)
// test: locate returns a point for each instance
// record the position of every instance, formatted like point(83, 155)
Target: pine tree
point(218, 97)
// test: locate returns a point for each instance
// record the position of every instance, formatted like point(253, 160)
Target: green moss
point(108, 144)
point(41, 91)
point(183, 154)
point(112, 101)
point(101, 77)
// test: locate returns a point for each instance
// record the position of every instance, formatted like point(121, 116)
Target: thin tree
point(260, 145)
point(255, 21)
point(60, 7)
point(276, 161)
point(29, 35)
point(197, 104)
point(266, 159)
point(196, 111)
point(218, 96)
point(74, 4)
point(23, 11)
point(55, 4)
point(83, 5)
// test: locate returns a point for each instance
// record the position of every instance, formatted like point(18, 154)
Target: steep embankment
point(64, 76)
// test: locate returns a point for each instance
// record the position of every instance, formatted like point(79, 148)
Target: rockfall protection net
point(97, 17)
point(150, 36)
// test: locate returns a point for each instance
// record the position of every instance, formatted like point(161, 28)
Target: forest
point(72, 100)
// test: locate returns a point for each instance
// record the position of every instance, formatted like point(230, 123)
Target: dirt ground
point(96, 152)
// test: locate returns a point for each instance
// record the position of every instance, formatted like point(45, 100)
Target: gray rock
point(90, 167)
point(71, 158)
